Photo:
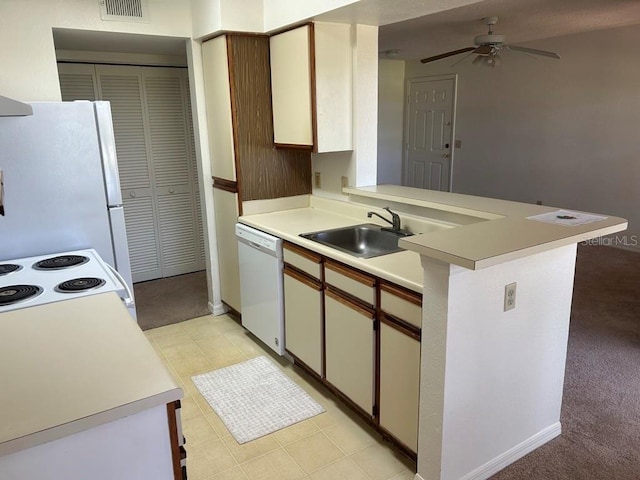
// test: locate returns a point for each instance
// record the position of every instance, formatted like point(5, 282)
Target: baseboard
point(507, 458)
point(217, 309)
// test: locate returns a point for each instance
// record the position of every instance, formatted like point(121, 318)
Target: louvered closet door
point(156, 158)
point(122, 86)
point(172, 165)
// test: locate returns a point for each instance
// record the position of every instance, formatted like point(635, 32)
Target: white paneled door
point(429, 133)
point(156, 159)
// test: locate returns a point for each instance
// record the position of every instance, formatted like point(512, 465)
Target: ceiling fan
point(487, 48)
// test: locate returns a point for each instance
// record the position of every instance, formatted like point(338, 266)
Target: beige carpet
point(601, 406)
point(171, 300)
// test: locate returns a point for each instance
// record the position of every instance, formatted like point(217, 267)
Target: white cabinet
point(399, 360)
point(303, 300)
point(349, 338)
point(226, 210)
point(399, 383)
point(311, 85)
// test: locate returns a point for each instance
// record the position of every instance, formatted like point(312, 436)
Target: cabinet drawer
point(303, 259)
point(402, 304)
point(351, 281)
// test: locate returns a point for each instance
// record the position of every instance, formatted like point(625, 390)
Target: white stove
point(27, 282)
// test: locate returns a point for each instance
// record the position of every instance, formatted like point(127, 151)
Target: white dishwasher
point(261, 285)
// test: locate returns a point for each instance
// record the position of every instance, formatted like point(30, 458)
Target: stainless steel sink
point(363, 241)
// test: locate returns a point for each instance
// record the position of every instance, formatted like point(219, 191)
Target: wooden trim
point(401, 326)
point(350, 272)
point(306, 368)
point(173, 440)
point(294, 146)
point(312, 78)
point(224, 184)
point(303, 252)
point(376, 360)
point(402, 292)
point(288, 28)
point(234, 119)
point(367, 416)
point(388, 437)
point(338, 296)
point(302, 277)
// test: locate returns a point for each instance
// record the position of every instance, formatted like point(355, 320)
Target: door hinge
point(375, 410)
point(375, 325)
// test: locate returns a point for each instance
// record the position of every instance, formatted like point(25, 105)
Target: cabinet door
point(215, 66)
point(303, 318)
point(291, 87)
point(399, 383)
point(226, 212)
point(349, 347)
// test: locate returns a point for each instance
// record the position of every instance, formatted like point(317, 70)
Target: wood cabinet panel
point(264, 172)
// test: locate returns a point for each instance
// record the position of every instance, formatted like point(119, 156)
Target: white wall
point(280, 13)
point(561, 131)
point(491, 381)
point(27, 55)
point(390, 120)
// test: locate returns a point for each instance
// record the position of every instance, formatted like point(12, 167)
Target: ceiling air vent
point(124, 10)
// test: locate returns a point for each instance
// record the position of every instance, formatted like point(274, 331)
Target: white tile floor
point(334, 445)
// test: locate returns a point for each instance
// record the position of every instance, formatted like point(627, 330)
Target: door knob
point(132, 194)
point(171, 190)
point(445, 155)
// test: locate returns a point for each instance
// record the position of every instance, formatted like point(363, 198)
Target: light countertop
point(505, 233)
point(73, 365)
point(500, 233)
point(402, 268)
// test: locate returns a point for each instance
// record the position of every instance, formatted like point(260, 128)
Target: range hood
point(13, 108)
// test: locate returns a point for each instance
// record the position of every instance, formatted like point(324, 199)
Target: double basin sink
point(364, 241)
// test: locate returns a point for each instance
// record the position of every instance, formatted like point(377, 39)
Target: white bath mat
point(254, 398)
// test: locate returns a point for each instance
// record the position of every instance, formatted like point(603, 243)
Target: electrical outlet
point(317, 182)
point(510, 296)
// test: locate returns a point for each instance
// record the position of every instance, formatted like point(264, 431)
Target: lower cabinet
point(399, 382)
point(303, 318)
point(350, 349)
point(361, 335)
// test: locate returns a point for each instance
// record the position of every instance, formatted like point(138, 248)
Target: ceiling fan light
point(478, 60)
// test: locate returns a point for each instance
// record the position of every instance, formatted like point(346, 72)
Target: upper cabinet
point(311, 85)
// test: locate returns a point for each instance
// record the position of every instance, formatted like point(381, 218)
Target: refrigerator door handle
point(107, 141)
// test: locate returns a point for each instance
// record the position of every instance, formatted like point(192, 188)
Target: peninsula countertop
point(73, 365)
point(503, 232)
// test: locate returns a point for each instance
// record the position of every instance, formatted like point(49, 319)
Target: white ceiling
point(417, 29)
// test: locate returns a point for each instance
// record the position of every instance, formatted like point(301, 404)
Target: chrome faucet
point(394, 222)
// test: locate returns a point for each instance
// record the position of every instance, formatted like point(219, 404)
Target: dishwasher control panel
point(256, 238)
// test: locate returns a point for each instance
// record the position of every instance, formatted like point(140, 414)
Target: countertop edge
point(86, 423)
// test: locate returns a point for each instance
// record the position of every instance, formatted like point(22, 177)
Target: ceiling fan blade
point(533, 50)
point(461, 60)
point(483, 50)
point(445, 55)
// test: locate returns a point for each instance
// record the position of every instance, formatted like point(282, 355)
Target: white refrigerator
point(60, 184)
